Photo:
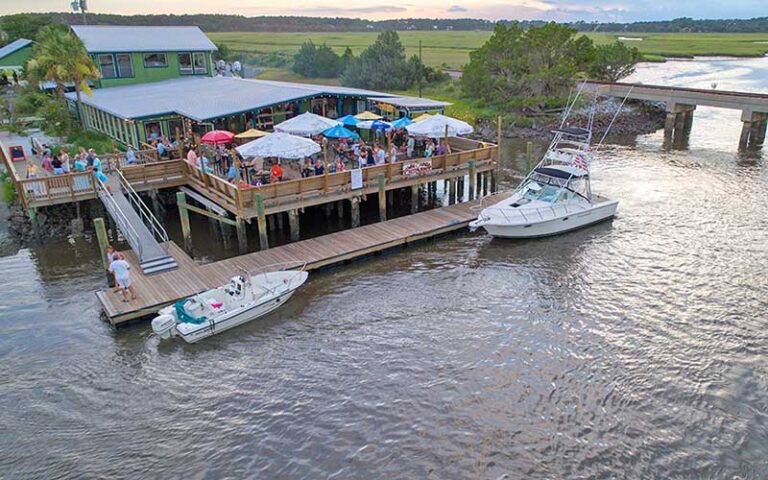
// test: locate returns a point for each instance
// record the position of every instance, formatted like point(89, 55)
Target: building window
point(107, 66)
point(192, 63)
point(185, 64)
point(153, 131)
point(124, 65)
point(155, 60)
point(175, 126)
point(200, 66)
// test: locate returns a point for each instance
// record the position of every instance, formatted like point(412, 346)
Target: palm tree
point(60, 57)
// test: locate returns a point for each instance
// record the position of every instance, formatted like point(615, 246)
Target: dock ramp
point(143, 232)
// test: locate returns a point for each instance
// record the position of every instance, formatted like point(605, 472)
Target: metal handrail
point(119, 216)
point(146, 215)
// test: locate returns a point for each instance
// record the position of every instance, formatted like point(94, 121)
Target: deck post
point(157, 206)
point(472, 179)
point(485, 184)
point(354, 206)
point(382, 197)
point(340, 209)
point(493, 182)
point(101, 237)
point(451, 191)
point(414, 198)
point(186, 231)
point(261, 220)
point(293, 224)
point(242, 235)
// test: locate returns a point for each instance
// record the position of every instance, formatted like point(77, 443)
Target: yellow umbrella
point(421, 117)
point(252, 133)
point(366, 115)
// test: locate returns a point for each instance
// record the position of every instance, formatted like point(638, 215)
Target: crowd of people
point(61, 163)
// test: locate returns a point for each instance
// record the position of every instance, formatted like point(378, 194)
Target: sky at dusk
point(566, 10)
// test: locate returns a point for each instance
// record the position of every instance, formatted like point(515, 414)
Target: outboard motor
point(163, 326)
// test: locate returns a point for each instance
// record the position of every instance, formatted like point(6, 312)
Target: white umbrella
point(281, 145)
point(306, 124)
point(434, 127)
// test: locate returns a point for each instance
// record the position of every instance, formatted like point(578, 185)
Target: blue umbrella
point(380, 124)
point(348, 120)
point(339, 132)
point(402, 122)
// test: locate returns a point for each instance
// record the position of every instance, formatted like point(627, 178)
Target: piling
point(186, 230)
point(261, 221)
point(101, 237)
point(529, 153)
point(354, 207)
point(414, 198)
point(242, 235)
point(382, 197)
point(293, 224)
point(472, 179)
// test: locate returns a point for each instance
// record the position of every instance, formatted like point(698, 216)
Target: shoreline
point(637, 118)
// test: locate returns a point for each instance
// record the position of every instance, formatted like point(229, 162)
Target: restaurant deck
point(155, 291)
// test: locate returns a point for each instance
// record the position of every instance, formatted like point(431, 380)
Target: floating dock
point(158, 290)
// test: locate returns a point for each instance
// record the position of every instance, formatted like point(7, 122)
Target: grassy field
point(452, 49)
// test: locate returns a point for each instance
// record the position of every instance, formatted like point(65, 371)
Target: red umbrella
point(217, 137)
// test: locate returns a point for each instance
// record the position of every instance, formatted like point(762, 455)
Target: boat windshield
point(542, 193)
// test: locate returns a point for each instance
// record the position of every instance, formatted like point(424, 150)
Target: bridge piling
point(677, 126)
point(753, 129)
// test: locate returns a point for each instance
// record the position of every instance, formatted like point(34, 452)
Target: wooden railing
point(157, 173)
point(336, 182)
point(53, 189)
point(56, 189)
point(160, 174)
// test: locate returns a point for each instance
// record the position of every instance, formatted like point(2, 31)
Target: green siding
point(142, 74)
point(17, 58)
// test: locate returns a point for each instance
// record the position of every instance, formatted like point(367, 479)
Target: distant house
point(128, 55)
point(15, 55)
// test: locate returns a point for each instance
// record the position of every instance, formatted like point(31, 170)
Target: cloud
point(341, 12)
point(457, 8)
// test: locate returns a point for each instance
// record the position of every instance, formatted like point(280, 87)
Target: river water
point(631, 349)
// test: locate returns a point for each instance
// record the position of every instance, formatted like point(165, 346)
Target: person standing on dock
point(111, 257)
point(120, 268)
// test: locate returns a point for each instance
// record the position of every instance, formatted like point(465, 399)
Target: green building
point(15, 55)
point(128, 55)
point(161, 83)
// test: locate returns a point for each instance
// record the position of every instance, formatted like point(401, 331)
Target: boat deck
point(156, 291)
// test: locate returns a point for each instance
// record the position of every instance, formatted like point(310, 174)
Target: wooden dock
point(156, 291)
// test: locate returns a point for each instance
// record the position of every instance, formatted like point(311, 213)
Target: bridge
point(681, 102)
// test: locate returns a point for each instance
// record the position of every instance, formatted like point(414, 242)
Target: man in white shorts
point(120, 269)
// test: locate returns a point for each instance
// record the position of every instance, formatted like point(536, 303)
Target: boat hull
point(234, 319)
point(553, 226)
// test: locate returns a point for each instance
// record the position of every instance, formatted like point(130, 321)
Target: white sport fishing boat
point(555, 197)
point(245, 298)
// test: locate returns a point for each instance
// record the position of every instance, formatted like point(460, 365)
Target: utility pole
point(82, 7)
point(421, 64)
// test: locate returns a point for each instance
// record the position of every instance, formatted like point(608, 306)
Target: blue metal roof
point(205, 98)
point(115, 38)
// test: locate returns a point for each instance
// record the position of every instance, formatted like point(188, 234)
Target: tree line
point(383, 65)
point(536, 68)
point(239, 23)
